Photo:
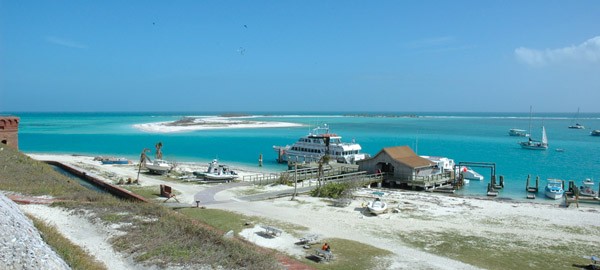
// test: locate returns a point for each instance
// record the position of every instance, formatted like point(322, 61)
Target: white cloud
point(588, 51)
point(65, 42)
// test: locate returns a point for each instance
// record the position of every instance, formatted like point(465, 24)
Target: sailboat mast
point(530, 109)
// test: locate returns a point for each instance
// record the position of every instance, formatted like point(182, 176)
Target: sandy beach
point(415, 219)
point(187, 124)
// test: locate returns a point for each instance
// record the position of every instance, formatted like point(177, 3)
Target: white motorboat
point(158, 166)
point(377, 206)
point(217, 171)
point(595, 132)
point(536, 145)
point(587, 188)
point(469, 173)
point(518, 132)
point(554, 189)
point(315, 145)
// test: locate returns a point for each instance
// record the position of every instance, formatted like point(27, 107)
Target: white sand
point(418, 214)
point(209, 122)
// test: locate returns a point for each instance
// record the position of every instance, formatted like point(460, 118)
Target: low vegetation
point(501, 251)
point(153, 234)
point(331, 190)
point(72, 254)
point(354, 255)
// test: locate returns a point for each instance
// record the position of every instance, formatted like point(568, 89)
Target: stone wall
point(21, 246)
point(9, 131)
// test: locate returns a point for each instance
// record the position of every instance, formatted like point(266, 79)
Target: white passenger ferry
point(312, 147)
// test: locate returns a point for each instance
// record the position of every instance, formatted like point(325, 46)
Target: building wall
point(9, 131)
point(401, 171)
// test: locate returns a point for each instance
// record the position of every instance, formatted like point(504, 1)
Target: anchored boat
point(315, 145)
point(554, 189)
point(536, 145)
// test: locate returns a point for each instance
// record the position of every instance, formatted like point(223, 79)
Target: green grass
point(501, 251)
point(226, 220)
point(148, 192)
point(19, 173)
point(72, 254)
point(154, 235)
point(350, 254)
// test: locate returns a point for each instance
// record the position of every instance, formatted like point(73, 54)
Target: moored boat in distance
point(595, 132)
point(314, 146)
point(518, 132)
point(587, 188)
point(536, 145)
point(577, 125)
point(554, 189)
point(469, 173)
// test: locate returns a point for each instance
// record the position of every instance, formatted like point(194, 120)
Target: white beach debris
point(21, 246)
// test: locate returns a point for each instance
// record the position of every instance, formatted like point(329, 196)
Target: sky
point(244, 56)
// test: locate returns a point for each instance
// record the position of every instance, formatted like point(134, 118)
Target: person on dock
point(325, 247)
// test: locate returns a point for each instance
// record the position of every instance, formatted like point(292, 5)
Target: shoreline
point(193, 123)
point(246, 170)
point(419, 215)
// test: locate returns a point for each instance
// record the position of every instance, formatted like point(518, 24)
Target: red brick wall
point(9, 131)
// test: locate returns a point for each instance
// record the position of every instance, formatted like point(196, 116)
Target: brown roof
point(406, 156)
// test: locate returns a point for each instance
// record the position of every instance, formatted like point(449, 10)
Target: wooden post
point(527, 183)
point(295, 180)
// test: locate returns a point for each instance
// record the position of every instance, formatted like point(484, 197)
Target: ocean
point(466, 137)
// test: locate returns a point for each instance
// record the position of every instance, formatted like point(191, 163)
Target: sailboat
point(536, 145)
point(577, 125)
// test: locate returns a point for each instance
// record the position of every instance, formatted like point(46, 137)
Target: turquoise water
point(475, 137)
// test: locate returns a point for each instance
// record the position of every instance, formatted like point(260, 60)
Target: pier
point(532, 189)
point(307, 174)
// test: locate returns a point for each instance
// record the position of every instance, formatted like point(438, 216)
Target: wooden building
point(403, 167)
point(9, 131)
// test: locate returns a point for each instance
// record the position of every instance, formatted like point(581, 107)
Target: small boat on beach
point(112, 160)
point(518, 132)
point(312, 147)
point(554, 189)
point(217, 171)
point(536, 145)
point(158, 166)
point(377, 206)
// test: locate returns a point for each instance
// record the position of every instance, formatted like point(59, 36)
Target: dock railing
point(301, 175)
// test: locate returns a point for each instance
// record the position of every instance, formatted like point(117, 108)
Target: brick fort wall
point(9, 131)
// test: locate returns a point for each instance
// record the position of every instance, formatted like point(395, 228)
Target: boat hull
point(526, 145)
point(554, 195)
point(214, 177)
point(115, 162)
point(377, 207)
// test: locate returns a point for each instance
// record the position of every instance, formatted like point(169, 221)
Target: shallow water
point(474, 137)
